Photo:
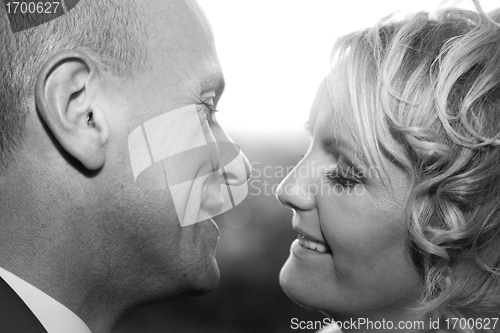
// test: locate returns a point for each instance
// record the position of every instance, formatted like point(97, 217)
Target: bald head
point(112, 32)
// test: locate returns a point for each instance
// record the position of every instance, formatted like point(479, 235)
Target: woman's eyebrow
point(334, 144)
point(338, 144)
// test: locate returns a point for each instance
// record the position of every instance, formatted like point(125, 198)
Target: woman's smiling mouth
point(312, 244)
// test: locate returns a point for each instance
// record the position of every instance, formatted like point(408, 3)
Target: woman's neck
point(390, 323)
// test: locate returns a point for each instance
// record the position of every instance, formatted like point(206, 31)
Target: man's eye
point(209, 108)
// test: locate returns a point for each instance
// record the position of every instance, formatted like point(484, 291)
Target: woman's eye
point(335, 177)
point(342, 178)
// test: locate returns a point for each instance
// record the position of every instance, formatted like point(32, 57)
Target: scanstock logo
point(28, 14)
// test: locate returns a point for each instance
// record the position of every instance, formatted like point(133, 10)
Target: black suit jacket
point(15, 315)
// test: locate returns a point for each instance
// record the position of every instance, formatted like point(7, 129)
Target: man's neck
point(41, 262)
point(46, 248)
point(88, 306)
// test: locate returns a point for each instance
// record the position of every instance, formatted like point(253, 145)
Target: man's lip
point(216, 227)
point(206, 226)
point(212, 232)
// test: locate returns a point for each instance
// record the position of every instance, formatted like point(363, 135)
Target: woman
point(397, 202)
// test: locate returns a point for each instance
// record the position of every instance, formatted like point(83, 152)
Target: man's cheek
point(194, 185)
point(171, 152)
point(164, 136)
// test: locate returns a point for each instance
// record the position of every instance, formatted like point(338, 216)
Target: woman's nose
point(296, 190)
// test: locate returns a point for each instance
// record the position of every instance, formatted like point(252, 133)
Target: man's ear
point(66, 91)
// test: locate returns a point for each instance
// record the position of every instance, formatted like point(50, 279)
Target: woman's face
point(350, 258)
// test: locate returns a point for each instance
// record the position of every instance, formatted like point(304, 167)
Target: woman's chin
point(298, 287)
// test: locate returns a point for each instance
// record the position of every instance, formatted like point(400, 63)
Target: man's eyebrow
point(214, 82)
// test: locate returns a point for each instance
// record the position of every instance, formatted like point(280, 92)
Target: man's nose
point(234, 163)
point(236, 167)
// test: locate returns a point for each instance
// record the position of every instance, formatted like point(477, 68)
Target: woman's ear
point(66, 92)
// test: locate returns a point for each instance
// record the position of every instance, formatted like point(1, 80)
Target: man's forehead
point(182, 58)
point(181, 42)
point(177, 21)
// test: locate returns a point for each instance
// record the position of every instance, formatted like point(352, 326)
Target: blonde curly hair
point(424, 93)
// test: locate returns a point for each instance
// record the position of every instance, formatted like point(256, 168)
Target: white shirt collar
point(55, 317)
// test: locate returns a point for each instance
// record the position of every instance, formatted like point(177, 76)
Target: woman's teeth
point(312, 245)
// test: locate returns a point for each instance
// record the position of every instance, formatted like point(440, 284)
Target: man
point(80, 241)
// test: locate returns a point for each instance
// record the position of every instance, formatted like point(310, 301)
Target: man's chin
point(204, 272)
point(203, 279)
point(209, 272)
point(207, 281)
